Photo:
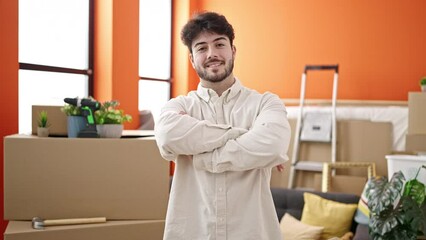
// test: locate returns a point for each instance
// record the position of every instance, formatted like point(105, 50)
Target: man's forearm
point(180, 134)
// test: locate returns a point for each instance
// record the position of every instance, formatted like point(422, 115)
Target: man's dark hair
point(206, 22)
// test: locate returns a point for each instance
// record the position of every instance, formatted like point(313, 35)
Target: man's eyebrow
point(215, 40)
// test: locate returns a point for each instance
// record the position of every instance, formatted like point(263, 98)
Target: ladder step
point(309, 166)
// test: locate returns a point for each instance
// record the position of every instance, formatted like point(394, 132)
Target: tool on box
point(38, 223)
point(88, 107)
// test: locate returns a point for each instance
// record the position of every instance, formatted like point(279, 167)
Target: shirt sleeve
point(178, 133)
point(264, 145)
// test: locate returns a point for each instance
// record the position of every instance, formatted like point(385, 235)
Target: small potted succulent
point(43, 124)
point(423, 84)
point(109, 119)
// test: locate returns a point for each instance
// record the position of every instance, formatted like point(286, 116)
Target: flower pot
point(423, 87)
point(75, 125)
point(110, 130)
point(42, 132)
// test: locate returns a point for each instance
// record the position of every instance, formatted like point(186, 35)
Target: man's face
point(212, 56)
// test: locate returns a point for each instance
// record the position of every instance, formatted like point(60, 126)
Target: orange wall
point(8, 81)
point(379, 45)
point(116, 54)
point(103, 50)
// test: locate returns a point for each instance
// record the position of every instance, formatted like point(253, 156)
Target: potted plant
point(423, 84)
point(109, 119)
point(43, 124)
point(75, 121)
point(397, 208)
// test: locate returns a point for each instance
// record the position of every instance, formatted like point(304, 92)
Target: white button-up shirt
point(224, 149)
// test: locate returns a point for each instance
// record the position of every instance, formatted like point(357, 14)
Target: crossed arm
point(219, 148)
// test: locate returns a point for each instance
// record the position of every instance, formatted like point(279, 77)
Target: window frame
point(168, 80)
point(88, 71)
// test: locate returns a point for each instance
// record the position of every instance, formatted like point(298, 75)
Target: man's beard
point(215, 77)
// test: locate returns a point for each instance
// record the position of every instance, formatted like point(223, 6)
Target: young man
point(224, 139)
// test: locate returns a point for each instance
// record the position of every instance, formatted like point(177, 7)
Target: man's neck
point(219, 87)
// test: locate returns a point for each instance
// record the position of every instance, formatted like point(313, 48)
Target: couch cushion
point(291, 201)
point(293, 229)
point(335, 217)
point(362, 215)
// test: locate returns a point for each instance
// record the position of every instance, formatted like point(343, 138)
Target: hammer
point(38, 223)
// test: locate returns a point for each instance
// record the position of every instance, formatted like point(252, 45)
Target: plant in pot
point(397, 208)
point(423, 84)
point(109, 119)
point(43, 124)
point(75, 121)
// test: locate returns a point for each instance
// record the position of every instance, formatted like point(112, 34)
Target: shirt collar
point(206, 93)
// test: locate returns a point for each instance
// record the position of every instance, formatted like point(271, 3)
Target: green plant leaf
point(71, 110)
point(415, 190)
point(412, 215)
point(109, 114)
point(423, 217)
point(384, 223)
point(382, 194)
point(42, 119)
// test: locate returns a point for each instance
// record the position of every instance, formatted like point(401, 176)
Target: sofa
point(292, 201)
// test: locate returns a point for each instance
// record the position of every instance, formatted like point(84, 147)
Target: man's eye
point(201, 49)
point(220, 45)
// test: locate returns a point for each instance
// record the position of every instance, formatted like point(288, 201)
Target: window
point(55, 53)
point(155, 18)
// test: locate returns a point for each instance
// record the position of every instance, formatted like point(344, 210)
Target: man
point(224, 139)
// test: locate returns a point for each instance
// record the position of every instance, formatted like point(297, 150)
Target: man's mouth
point(213, 64)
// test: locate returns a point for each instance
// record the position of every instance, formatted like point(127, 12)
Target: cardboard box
point(111, 230)
point(357, 140)
point(56, 118)
point(120, 179)
point(417, 113)
point(415, 142)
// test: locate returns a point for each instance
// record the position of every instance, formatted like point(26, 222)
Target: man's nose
point(211, 53)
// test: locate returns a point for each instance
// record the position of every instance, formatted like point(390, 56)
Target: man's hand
point(280, 168)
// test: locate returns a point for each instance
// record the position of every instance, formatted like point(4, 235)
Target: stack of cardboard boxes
point(357, 141)
point(124, 180)
point(415, 140)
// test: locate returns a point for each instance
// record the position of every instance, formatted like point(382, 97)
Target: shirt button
point(220, 189)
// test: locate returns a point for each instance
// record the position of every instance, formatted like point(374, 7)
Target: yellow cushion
point(293, 229)
point(335, 217)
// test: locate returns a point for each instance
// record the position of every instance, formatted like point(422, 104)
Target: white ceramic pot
point(42, 132)
point(110, 130)
point(423, 88)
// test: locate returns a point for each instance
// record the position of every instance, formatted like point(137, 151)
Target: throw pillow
point(335, 217)
point(293, 229)
point(362, 214)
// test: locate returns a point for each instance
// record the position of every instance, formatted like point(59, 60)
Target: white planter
point(423, 87)
point(408, 165)
point(42, 132)
point(110, 130)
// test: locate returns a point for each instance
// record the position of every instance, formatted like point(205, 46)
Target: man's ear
point(191, 58)
point(234, 50)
